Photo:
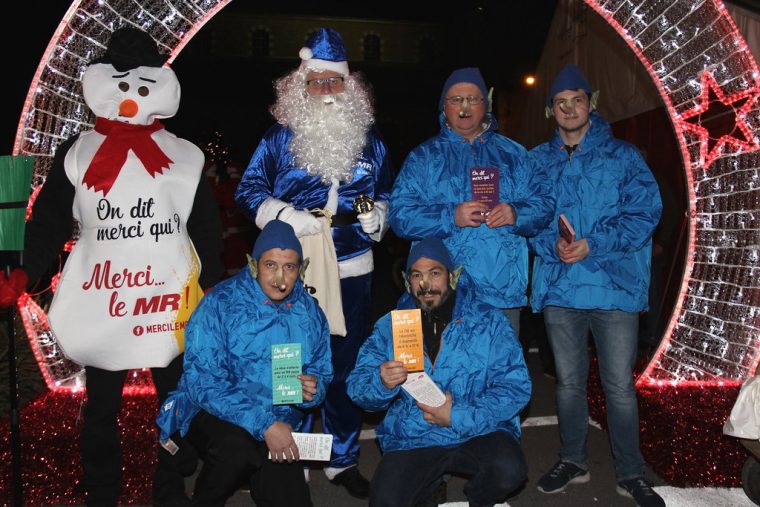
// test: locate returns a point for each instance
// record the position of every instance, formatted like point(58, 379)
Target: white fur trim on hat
point(320, 65)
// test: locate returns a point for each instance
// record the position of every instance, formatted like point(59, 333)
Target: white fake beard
point(329, 131)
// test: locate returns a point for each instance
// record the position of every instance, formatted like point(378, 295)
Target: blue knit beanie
point(465, 75)
point(276, 234)
point(570, 78)
point(432, 248)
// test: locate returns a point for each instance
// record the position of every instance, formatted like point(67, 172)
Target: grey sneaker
point(641, 491)
point(562, 474)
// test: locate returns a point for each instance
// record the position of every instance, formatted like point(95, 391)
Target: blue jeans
point(615, 335)
point(513, 315)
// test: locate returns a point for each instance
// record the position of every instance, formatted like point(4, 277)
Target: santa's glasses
point(331, 82)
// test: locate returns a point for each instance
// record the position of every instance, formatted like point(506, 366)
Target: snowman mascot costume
point(147, 223)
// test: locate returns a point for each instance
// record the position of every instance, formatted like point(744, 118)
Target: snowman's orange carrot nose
point(128, 108)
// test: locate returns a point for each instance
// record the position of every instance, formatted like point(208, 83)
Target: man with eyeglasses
point(318, 162)
point(474, 189)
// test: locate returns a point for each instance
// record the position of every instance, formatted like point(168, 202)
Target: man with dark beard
point(473, 355)
point(319, 158)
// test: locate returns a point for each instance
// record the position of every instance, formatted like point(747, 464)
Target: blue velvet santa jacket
point(610, 197)
point(228, 359)
point(435, 179)
point(271, 173)
point(480, 362)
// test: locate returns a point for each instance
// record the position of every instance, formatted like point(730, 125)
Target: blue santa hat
point(276, 234)
point(431, 248)
point(324, 50)
point(465, 75)
point(570, 78)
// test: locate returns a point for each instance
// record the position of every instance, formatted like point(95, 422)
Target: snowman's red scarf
point(110, 157)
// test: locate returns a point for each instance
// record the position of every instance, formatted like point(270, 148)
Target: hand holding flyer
point(484, 182)
point(313, 446)
point(286, 366)
point(423, 389)
point(565, 229)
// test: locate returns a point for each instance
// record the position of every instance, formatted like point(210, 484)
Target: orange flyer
point(407, 338)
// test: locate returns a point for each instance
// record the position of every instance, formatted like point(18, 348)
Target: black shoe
point(356, 485)
point(641, 491)
point(560, 476)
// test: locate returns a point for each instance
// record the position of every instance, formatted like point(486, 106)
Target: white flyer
point(313, 446)
point(423, 389)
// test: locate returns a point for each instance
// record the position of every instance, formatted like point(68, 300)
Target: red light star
point(720, 120)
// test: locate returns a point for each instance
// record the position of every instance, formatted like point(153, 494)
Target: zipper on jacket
point(440, 347)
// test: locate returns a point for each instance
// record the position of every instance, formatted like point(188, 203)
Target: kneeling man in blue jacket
point(475, 358)
point(224, 404)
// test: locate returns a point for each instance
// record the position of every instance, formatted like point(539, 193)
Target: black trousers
point(494, 464)
point(232, 458)
point(100, 441)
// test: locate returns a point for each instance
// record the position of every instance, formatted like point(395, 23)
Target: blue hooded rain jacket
point(435, 179)
point(611, 198)
point(228, 357)
point(480, 362)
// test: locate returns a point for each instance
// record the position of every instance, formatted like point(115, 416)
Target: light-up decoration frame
point(694, 53)
point(687, 46)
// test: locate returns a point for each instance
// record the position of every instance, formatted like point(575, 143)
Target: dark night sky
point(504, 38)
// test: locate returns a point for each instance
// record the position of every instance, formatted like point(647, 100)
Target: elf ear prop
point(252, 266)
point(304, 265)
point(407, 286)
point(594, 99)
point(454, 277)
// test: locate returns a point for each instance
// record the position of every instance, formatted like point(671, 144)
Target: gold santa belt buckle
point(340, 219)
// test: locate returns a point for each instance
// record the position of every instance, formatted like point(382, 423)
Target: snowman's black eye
point(144, 91)
point(124, 86)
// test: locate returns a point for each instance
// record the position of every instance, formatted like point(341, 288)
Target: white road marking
point(680, 497)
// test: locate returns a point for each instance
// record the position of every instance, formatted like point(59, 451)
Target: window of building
point(426, 51)
point(260, 42)
point(371, 48)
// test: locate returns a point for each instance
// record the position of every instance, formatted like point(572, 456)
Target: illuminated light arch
point(687, 46)
point(698, 60)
